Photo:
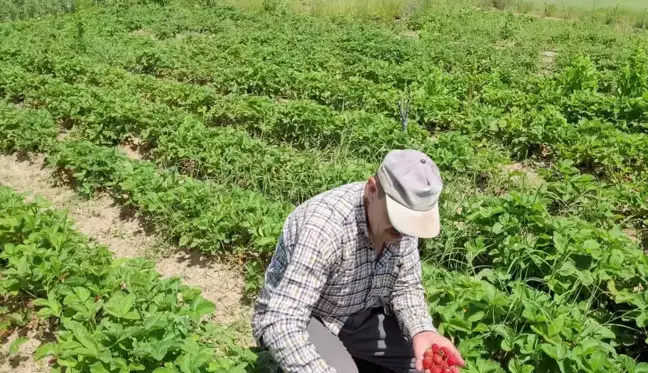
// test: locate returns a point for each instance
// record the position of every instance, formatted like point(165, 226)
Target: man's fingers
point(455, 351)
point(419, 364)
point(457, 354)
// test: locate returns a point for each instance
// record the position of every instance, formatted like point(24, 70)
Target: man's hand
point(424, 340)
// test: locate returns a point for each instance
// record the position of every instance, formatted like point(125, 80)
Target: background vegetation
point(539, 126)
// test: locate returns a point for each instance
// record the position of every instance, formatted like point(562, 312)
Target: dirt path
point(101, 220)
point(547, 61)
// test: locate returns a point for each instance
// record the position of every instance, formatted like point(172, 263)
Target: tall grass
point(629, 15)
point(383, 9)
point(23, 9)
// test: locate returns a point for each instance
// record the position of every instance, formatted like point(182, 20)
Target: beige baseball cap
point(412, 184)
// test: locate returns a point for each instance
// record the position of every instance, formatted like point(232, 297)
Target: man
point(345, 280)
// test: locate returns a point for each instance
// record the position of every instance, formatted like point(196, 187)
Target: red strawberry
point(427, 362)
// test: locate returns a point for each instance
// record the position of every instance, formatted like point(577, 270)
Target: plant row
point(120, 316)
point(521, 329)
point(514, 234)
point(108, 315)
point(109, 116)
point(516, 330)
point(594, 146)
point(346, 63)
point(534, 129)
point(230, 157)
point(351, 66)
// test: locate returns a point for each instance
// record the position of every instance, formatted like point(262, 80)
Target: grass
point(372, 8)
point(595, 4)
point(633, 13)
point(384, 9)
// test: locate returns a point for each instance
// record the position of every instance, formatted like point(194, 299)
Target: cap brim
point(421, 224)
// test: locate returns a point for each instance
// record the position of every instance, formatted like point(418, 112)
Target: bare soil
point(504, 44)
point(36, 331)
point(131, 151)
point(144, 33)
point(217, 282)
point(523, 174)
point(411, 34)
point(639, 237)
point(22, 362)
point(547, 59)
point(103, 221)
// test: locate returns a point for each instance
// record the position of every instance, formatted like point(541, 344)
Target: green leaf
point(120, 305)
point(127, 303)
point(52, 306)
point(55, 305)
point(14, 348)
point(199, 307)
point(47, 349)
point(151, 322)
point(641, 367)
point(166, 369)
point(40, 302)
point(557, 352)
point(118, 362)
point(516, 366)
point(476, 317)
point(616, 258)
point(556, 326)
point(97, 367)
point(136, 367)
point(82, 293)
point(460, 324)
point(597, 360)
point(84, 337)
point(642, 319)
point(184, 240)
point(159, 349)
point(505, 331)
point(132, 315)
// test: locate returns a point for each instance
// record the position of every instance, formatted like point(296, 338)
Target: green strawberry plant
point(520, 328)
point(242, 115)
point(112, 315)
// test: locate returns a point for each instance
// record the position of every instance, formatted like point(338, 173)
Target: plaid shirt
point(324, 266)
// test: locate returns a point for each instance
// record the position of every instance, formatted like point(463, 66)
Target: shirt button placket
point(372, 298)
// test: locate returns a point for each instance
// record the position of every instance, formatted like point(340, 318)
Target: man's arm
point(408, 295)
point(290, 304)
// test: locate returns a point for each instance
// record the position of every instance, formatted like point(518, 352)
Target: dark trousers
point(368, 342)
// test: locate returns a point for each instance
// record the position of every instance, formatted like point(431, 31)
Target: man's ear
point(371, 189)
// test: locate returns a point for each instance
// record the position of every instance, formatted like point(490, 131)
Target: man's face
point(379, 225)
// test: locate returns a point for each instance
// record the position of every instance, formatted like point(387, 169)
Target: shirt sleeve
point(283, 327)
point(408, 296)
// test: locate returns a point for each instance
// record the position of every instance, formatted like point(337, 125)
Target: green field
point(597, 4)
point(539, 127)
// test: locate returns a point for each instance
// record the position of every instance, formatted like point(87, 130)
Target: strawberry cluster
point(439, 360)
